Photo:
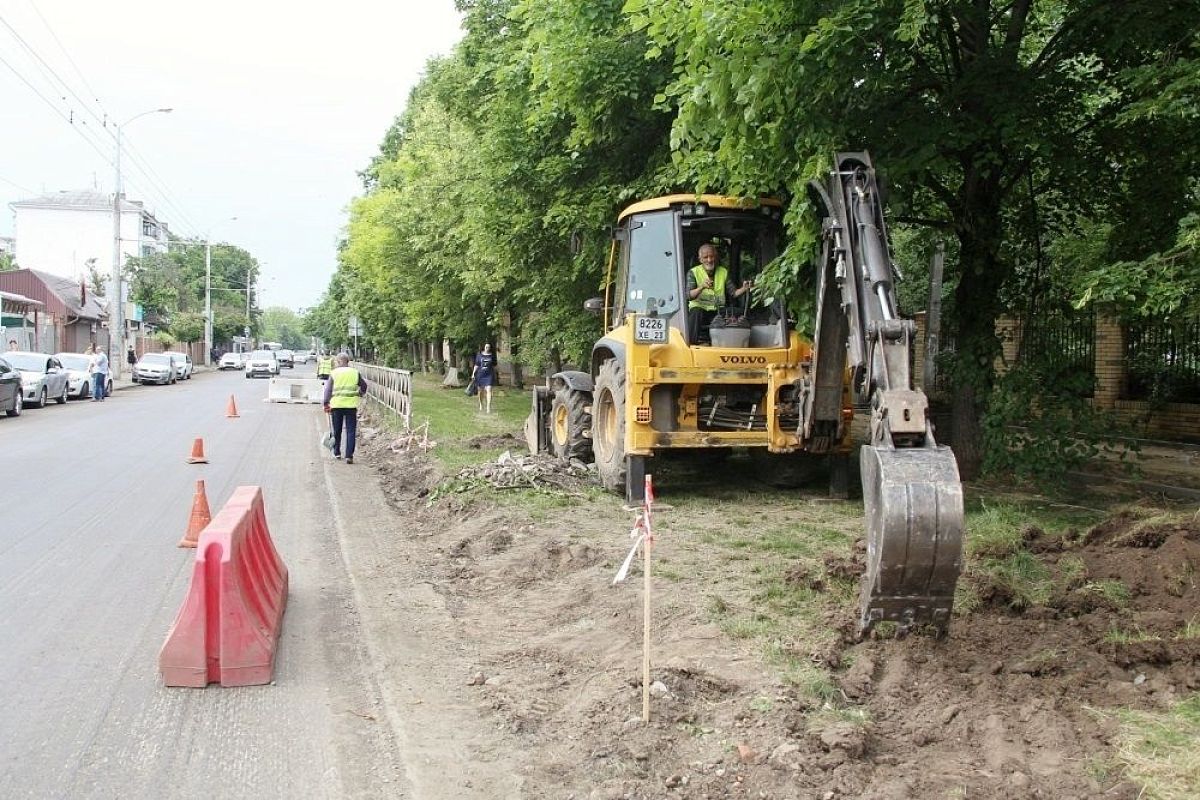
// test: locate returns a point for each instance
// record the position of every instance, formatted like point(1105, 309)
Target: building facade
point(63, 233)
point(51, 314)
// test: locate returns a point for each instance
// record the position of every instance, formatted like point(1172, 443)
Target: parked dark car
point(11, 399)
point(42, 377)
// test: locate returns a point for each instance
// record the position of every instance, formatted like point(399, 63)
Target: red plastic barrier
point(228, 627)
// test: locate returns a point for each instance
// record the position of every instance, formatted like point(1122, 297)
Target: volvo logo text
point(743, 359)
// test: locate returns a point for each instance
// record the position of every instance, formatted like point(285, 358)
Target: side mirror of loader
point(594, 305)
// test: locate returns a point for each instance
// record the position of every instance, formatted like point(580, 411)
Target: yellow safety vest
point(345, 388)
point(324, 365)
point(709, 299)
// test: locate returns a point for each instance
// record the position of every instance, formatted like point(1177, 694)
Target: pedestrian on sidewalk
point(342, 391)
point(98, 369)
point(131, 358)
point(484, 375)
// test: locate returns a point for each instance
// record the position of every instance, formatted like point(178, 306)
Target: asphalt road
point(95, 498)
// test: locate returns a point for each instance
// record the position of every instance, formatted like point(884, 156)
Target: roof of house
point(67, 291)
point(81, 199)
point(19, 300)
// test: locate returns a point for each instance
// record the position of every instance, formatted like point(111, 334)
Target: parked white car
point(183, 364)
point(42, 377)
point(79, 379)
point(262, 362)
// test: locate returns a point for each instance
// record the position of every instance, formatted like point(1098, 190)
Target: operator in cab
point(708, 288)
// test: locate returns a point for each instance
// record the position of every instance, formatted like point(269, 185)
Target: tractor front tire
point(608, 429)
point(570, 421)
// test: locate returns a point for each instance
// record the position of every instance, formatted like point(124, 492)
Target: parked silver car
point(78, 378)
point(42, 377)
point(183, 364)
point(155, 368)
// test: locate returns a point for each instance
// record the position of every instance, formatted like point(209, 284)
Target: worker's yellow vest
point(324, 366)
point(345, 388)
point(709, 299)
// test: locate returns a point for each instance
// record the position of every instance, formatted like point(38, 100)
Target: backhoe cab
point(655, 383)
point(659, 381)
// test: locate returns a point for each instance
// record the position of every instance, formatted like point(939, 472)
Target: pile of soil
point(1010, 705)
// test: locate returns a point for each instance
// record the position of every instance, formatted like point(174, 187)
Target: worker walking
point(324, 366)
point(342, 391)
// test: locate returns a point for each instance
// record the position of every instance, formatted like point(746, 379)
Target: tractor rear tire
point(608, 428)
point(570, 421)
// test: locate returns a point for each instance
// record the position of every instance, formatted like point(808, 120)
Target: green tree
point(283, 325)
point(187, 326)
point(97, 281)
point(966, 105)
point(168, 285)
point(540, 125)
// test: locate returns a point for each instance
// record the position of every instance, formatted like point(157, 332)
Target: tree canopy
point(1052, 144)
point(170, 287)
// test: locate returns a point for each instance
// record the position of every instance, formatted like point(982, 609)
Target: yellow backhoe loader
point(671, 373)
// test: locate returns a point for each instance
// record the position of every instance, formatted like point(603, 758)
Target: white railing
point(389, 387)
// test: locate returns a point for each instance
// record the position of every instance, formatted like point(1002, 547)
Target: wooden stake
point(646, 626)
point(647, 543)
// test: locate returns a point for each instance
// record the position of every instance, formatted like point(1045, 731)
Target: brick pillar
point(919, 344)
point(1110, 359)
point(1010, 331)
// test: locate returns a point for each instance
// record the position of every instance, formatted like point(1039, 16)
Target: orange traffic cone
point(197, 456)
point(201, 516)
point(231, 409)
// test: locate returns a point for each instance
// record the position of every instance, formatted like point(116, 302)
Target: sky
point(275, 109)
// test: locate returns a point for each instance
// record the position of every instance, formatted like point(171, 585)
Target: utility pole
point(208, 320)
point(116, 308)
point(208, 326)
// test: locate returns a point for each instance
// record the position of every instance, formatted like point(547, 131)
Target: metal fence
point(389, 387)
point(1060, 346)
point(1162, 359)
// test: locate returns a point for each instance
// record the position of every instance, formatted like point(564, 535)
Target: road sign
point(355, 327)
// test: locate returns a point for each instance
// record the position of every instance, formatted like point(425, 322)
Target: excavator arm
point(912, 495)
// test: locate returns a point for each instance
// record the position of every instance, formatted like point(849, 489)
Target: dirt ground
point(1013, 704)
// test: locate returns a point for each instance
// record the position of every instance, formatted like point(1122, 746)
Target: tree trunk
point(977, 304)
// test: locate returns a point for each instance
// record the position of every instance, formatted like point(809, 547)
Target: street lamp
point(208, 320)
point(116, 315)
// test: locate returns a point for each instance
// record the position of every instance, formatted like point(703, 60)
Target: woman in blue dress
point(484, 375)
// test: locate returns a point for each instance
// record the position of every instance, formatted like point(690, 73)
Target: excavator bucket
point(914, 515)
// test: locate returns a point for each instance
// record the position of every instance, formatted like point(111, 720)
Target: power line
point(17, 185)
point(53, 108)
point(45, 67)
point(70, 60)
point(138, 161)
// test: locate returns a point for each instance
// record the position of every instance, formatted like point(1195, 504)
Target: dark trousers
point(698, 321)
point(349, 418)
